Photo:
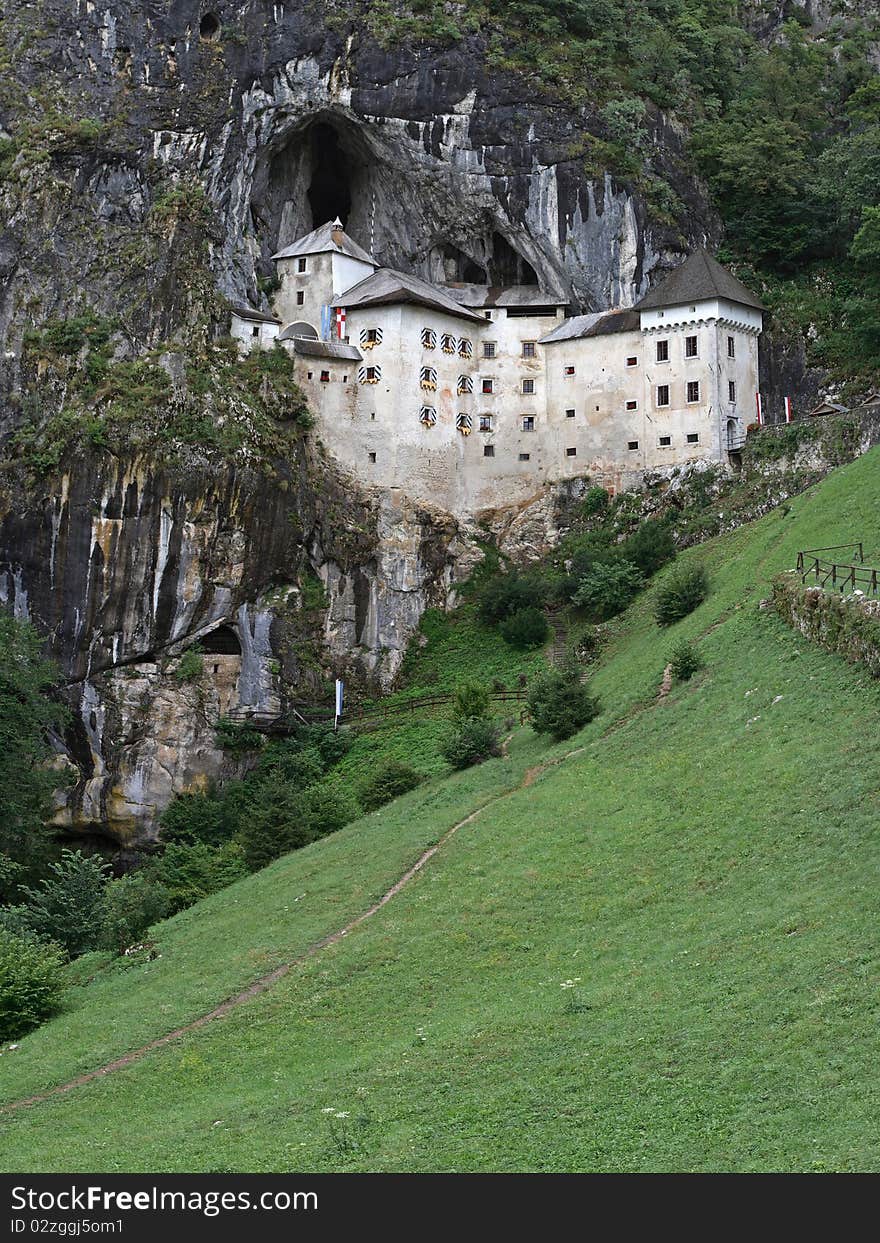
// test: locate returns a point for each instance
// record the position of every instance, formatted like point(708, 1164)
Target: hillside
point(656, 954)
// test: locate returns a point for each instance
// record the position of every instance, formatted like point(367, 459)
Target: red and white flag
point(759, 408)
point(340, 322)
point(788, 409)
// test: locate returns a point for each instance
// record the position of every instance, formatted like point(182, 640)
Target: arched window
point(448, 343)
point(465, 349)
point(465, 385)
point(370, 337)
point(465, 424)
point(429, 339)
point(369, 375)
point(427, 416)
point(428, 379)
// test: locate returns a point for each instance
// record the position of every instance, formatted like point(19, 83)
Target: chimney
point(336, 234)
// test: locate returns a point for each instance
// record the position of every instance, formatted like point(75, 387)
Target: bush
point(387, 783)
point(191, 872)
point(508, 593)
point(650, 547)
point(284, 817)
point(207, 818)
point(470, 701)
point(473, 742)
point(31, 983)
point(684, 661)
point(524, 629)
point(190, 665)
point(608, 589)
point(68, 905)
point(585, 643)
point(680, 594)
point(131, 905)
point(596, 501)
point(560, 704)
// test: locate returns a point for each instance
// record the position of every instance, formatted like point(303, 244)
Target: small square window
point(569, 414)
point(371, 456)
point(690, 347)
point(300, 298)
point(528, 387)
point(488, 386)
point(571, 452)
point(662, 351)
point(373, 416)
point(528, 423)
point(255, 331)
point(693, 438)
point(665, 442)
point(310, 374)
point(488, 349)
point(485, 422)
point(524, 457)
point(632, 405)
point(325, 377)
point(528, 349)
point(731, 390)
point(488, 450)
point(301, 265)
point(662, 394)
point(632, 444)
point(632, 361)
point(693, 390)
point(731, 347)
point(568, 371)
point(345, 379)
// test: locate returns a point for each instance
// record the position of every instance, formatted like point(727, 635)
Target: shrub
point(560, 704)
point(470, 701)
point(524, 629)
point(191, 872)
point(200, 818)
point(508, 593)
point(131, 905)
point(31, 983)
point(650, 547)
point(596, 501)
point(284, 817)
point(68, 905)
point(585, 643)
point(473, 742)
point(680, 594)
point(387, 783)
point(237, 739)
point(190, 665)
point(684, 660)
point(608, 589)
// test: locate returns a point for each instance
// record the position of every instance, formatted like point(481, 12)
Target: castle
point(470, 397)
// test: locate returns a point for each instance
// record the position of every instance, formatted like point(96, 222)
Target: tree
point(388, 782)
point(607, 589)
point(68, 905)
point(525, 628)
point(680, 594)
point(470, 701)
point(131, 905)
point(31, 983)
point(560, 704)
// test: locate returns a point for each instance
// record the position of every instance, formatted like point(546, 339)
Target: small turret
point(337, 236)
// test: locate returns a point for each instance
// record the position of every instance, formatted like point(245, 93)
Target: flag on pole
point(325, 323)
point(760, 409)
point(788, 409)
point(340, 691)
point(340, 322)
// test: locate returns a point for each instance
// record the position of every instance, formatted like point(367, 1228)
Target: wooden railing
point(839, 575)
point(370, 714)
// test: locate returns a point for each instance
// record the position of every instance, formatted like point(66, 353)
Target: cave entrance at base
point(329, 192)
point(220, 642)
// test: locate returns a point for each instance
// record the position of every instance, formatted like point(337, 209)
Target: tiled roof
point(320, 241)
point(245, 312)
point(387, 287)
point(698, 278)
point(598, 324)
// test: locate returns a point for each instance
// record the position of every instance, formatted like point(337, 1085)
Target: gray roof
point(698, 278)
point(387, 287)
point(245, 312)
point(504, 295)
point(830, 407)
point(597, 324)
point(326, 349)
point(320, 241)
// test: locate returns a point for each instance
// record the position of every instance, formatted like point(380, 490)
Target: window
point(371, 456)
point(690, 347)
point(488, 386)
point(568, 371)
point(300, 298)
point(370, 337)
point(662, 394)
point(569, 414)
point(528, 349)
point(345, 379)
point(465, 349)
point(632, 405)
point(373, 416)
point(528, 423)
point(693, 438)
point(662, 351)
point(310, 374)
point(448, 343)
point(632, 361)
point(665, 442)
point(632, 444)
point(528, 387)
point(485, 423)
point(693, 390)
point(571, 452)
point(428, 378)
point(301, 265)
point(429, 339)
point(464, 423)
point(427, 416)
point(524, 457)
point(465, 385)
point(325, 377)
point(731, 347)
point(369, 375)
point(488, 450)
point(488, 349)
point(255, 331)
point(731, 390)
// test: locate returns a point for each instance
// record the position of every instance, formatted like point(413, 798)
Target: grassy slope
point(704, 874)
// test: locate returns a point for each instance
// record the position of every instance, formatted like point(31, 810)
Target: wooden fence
point(838, 575)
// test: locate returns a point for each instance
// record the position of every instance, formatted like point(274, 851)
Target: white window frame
point(657, 344)
point(662, 404)
point(692, 401)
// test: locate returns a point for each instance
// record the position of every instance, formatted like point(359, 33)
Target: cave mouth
point(223, 641)
point(507, 266)
point(329, 192)
point(209, 27)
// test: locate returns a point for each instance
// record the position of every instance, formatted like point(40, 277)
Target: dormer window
point(429, 339)
point(447, 343)
point(428, 378)
point(465, 348)
point(465, 385)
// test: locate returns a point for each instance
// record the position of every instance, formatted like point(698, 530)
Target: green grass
point(660, 956)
